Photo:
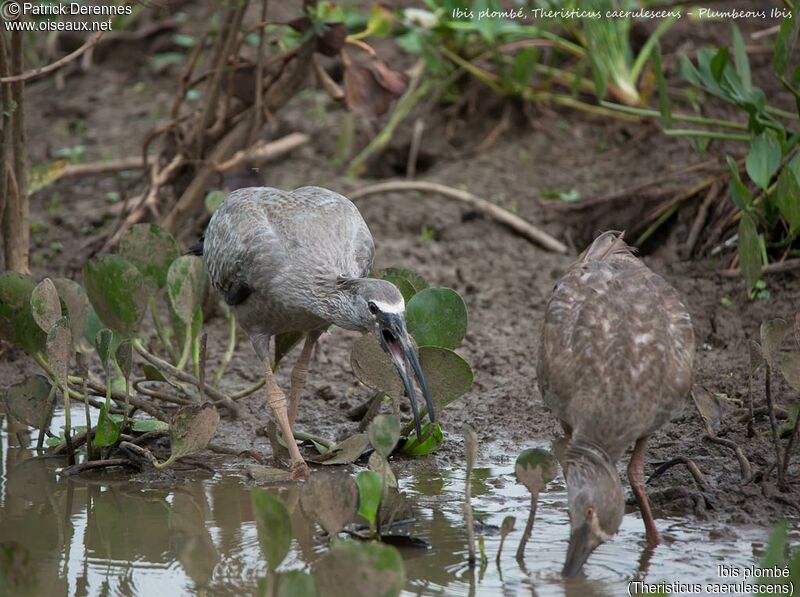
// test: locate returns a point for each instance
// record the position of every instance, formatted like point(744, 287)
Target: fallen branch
point(744, 464)
point(102, 167)
point(61, 62)
point(699, 478)
point(262, 151)
point(491, 210)
point(76, 469)
point(772, 268)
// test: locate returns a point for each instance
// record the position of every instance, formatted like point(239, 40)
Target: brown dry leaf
point(331, 499)
point(370, 90)
point(790, 367)
point(396, 82)
point(708, 406)
point(191, 428)
point(347, 451)
point(332, 41)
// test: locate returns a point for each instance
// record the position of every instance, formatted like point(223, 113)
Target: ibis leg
point(300, 374)
point(636, 478)
point(277, 403)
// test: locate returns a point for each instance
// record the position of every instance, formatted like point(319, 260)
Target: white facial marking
point(395, 308)
point(597, 531)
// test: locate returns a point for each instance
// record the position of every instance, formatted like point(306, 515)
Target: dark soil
point(504, 279)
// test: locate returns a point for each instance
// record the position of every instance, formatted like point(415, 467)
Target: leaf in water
point(29, 401)
point(284, 343)
point(708, 406)
point(749, 252)
point(346, 451)
point(124, 356)
point(117, 291)
point(145, 425)
point(373, 367)
point(17, 324)
point(107, 431)
point(354, 569)
point(74, 297)
point(213, 200)
point(330, 499)
point(381, 466)
point(437, 317)
point(191, 429)
point(432, 441)
point(274, 526)
point(59, 349)
point(151, 249)
point(370, 485)
point(384, 433)
point(764, 158)
point(102, 342)
point(45, 306)
point(186, 283)
point(535, 468)
point(773, 333)
point(790, 367)
point(295, 583)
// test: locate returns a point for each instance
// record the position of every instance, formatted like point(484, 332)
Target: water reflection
point(110, 535)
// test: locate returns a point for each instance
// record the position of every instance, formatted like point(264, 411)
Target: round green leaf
point(448, 375)
point(17, 324)
point(145, 425)
point(407, 281)
point(107, 431)
point(433, 440)
point(117, 291)
point(186, 282)
point(354, 569)
point(384, 432)
point(151, 249)
point(77, 303)
point(535, 468)
point(29, 401)
point(331, 499)
point(437, 317)
point(45, 306)
point(370, 485)
point(274, 526)
point(373, 367)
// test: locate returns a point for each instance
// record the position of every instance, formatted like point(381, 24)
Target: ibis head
point(596, 504)
point(376, 306)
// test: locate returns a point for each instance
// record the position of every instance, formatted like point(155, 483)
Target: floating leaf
point(433, 440)
point(117, 291)
point(370, 486)
point(74, 297)
point(17, 324)
point(29, 401)
point(354, 569)
point(535, 468)
point(59, 349)
point(295, 583)
point(384, 433)
point(124, 355)
point(191, 428)
point(107, 431)
point(186, 280)
point(151, 249)
point(437, 317)
point(373, 367)
point(773, 333)
point(331, 499)
point(103, 343)
point(274, 526)
point(346, 451)
point(145, 425)
point(45, 306)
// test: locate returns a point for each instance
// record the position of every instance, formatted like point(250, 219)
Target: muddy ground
point(504, 279)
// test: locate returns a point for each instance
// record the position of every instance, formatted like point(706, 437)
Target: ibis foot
point(299, 471)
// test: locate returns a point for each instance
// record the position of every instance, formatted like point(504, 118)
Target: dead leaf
point(191, 428)
point(709, 408)
point(370, 89)
point(756, 356)
point(347, 451)
point(790, 367)
point(330, 499)
point(773, 333)
point(332, 40)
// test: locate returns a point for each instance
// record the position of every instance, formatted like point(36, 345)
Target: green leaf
point(663, 98)
point(274, 526)
point(213, 200)
point(145, 425)
point(355, 569)
point(186, 283)
point(29, 401)
point(379, 23)
point(718, 64)
point(45, 305)
point(407, 280)
point(448, 375)
point(370, 485)
point(124, 355)
point(295, 583)
point(523, 67)
point(535, 468)
point(786, 41)
point(103, 342)
point(787, 194)
point(749, 252)
point(59, 349)
point(740, 58)
point(433, 440)
point(373, 367)
point(191, 428)
point(739, 193)
point(330, 499)
point(151, 249)
point(152, 374)
point(437, 317)
point(107, 431)
point(118, 293)
point(764, 158)
point(77, 303)
point(384, 433)
point(17, 324)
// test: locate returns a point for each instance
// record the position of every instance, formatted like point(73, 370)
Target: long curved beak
point(580, 548)
point(393, 338)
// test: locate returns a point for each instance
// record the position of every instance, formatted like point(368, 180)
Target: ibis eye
point(373, 308)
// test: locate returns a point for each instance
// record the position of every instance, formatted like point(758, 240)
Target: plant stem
point(647, 48)
point(127, 402)
point(773, 424)
point(528, 528)
point(468, 516)
point(228, 356)
point(682, 117)
point(89, 444)
point(187, 349)
point(706, 134)
point(68, 424)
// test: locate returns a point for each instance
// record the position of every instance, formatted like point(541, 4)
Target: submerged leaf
point(274, 526)
point(45, 305)
point(535, 468)
point(151, 249)
point(29, 401)
point(191, 429)
point(384, 433)
point(354, 569)
point(330, 499)
point(437, 317)
point(117, 291)
point(17, 324)
point(433, 440)
point(370, 485)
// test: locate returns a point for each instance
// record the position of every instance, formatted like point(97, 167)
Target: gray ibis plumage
point(298, 262)
point(615, 365)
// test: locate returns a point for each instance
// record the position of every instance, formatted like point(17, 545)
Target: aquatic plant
point(534, 468)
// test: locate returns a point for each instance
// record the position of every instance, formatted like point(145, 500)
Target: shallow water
point(106, 535)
